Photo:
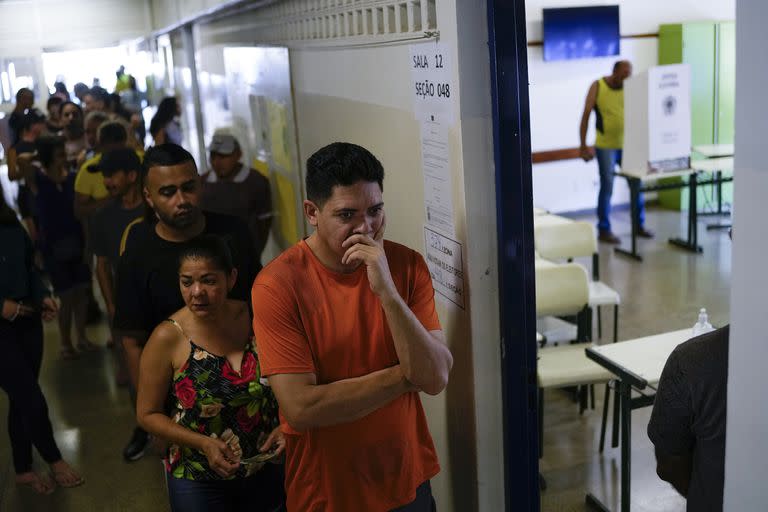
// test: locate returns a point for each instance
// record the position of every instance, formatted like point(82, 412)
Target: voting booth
point(657, 121)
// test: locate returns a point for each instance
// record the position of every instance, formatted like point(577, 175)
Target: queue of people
point(295, 386)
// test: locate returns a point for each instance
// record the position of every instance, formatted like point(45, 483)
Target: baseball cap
point(122, 159)
point(223, 144)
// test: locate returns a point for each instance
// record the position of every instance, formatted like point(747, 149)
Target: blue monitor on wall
point(581, 32)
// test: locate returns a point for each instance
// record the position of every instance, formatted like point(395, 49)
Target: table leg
point(634, 194)
point(691, 243)
point(625, 390)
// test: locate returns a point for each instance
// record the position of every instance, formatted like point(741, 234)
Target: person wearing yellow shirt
point(90, 192)
point(606, 98)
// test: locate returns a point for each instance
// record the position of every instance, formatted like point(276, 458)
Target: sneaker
point(135, 448)
point(645, 233)
point(608, 237)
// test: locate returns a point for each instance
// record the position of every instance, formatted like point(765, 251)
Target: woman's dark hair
point(211, 248)
point(166, 111)
point(340, 163)
point(76, 128)
point(46, 147)
point(7, 214)
point(53, 101)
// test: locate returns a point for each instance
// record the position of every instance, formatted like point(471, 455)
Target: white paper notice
point(438, 190)
point(445, 266)
point(431, 82)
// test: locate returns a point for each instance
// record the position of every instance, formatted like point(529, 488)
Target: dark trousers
point(21, 346)
point(260, 492)
point(424, 501)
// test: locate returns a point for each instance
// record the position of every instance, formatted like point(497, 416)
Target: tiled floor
point(662, 293)
point(93, 418)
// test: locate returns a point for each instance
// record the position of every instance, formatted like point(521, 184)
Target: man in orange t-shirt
point(347, 334)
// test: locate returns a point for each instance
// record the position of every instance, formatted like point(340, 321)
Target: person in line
point(348, 336)
point(234, 189)
point(164, 126)
point(606, 98)
point(91, 194)
point(24, 302)
point(25, 100)
point(79, 90)
point(62, 242)
point(53, 106)
point(91, 125)
point(223, 414)
point(147, 285)
point(96, 99)
point(121, 169)
point(687, 426)
point(32, 127)
point(73, 130)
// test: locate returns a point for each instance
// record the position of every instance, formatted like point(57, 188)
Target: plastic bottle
point(703, 325)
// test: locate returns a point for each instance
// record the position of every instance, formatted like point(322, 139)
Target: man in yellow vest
point(606, 98)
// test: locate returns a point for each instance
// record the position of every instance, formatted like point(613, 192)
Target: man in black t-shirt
point(147, 279)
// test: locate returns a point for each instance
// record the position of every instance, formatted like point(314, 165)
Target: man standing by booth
point(606, 98)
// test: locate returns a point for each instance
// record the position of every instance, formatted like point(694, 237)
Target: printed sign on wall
point(431, 77)
point(445, 266)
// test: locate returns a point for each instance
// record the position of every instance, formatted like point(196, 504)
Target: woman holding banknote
point(223, 429)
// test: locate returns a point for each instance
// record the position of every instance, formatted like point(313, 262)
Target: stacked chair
point(565, 289)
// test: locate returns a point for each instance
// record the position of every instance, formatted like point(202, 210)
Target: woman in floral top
point(224, 414)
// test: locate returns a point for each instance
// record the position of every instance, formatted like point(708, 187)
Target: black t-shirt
point(15, 121)
point(147, 276)
point(107, 226)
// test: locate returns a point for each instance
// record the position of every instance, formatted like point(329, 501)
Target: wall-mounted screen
point(581, 32)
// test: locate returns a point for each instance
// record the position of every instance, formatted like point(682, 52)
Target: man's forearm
point(104, 276)
point(346, 400)
point(425, 360)
point(583, 131)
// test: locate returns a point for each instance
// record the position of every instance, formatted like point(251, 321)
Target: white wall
point(558, 90)
point(746, 456)
point(363, 95)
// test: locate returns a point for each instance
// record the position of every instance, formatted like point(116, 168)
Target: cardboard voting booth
point(657, 121)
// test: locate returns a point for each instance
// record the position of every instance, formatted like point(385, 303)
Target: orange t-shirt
point(310, 319)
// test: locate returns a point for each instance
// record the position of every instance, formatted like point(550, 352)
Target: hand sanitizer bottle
point(703, 325)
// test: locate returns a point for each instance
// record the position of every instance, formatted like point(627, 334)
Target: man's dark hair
point(618, 63)
point(209, 247)
point(100, 94)
point(112, 132)
point(46, 146)
point(21, 92)
point(340, 164)
point(166, 155)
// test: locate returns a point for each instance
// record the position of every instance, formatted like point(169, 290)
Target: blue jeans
point(606, 163)
point(261, 492)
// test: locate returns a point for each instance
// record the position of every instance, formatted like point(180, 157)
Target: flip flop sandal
point(40, 485)
point(57, 478)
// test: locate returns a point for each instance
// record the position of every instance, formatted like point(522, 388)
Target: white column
point(746, 458)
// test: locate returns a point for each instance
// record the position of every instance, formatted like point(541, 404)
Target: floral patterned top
point(210, 397)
